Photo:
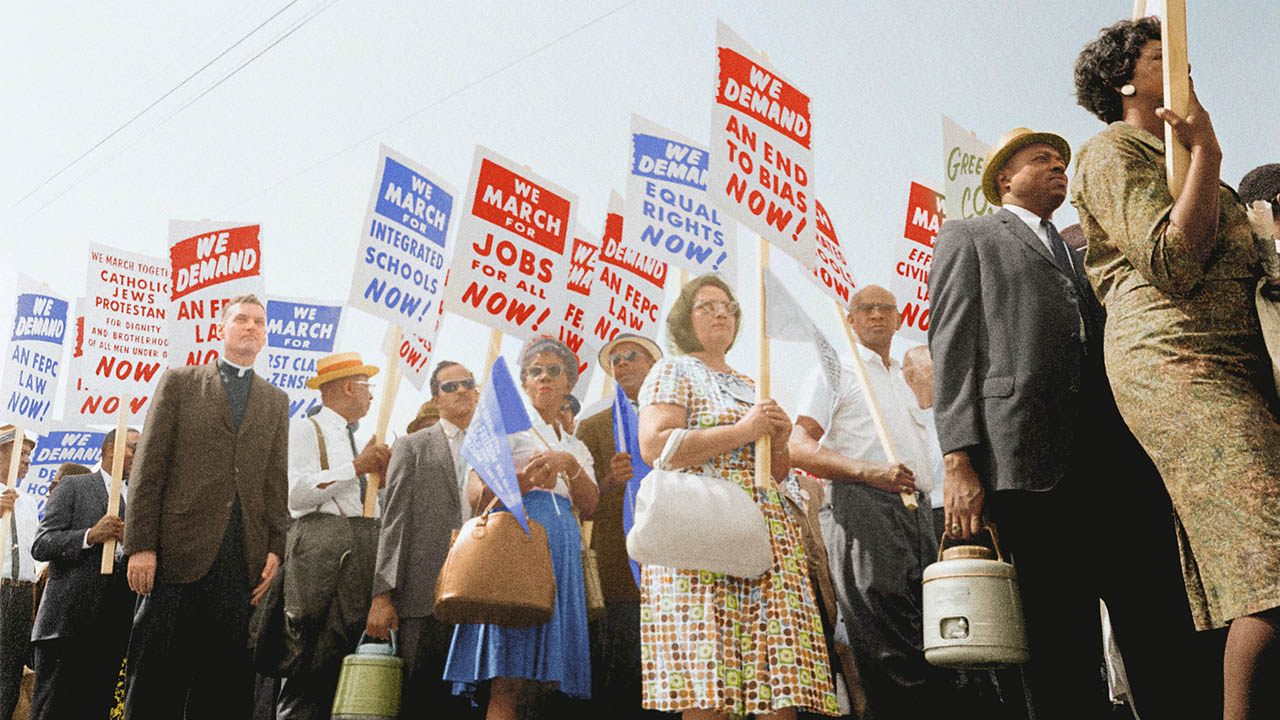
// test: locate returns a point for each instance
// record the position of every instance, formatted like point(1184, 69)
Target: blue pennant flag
point(626, 438)
point(499, 413)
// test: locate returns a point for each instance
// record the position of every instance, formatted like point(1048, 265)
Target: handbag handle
point(674, 441)
point(990, 527)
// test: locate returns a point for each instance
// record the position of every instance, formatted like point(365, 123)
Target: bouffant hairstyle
point(1107, 63)
point(542, 344)
point(680, 319)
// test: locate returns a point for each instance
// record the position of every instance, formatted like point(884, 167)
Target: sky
point(290, 139)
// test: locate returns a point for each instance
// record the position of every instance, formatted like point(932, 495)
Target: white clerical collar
point(240, 369)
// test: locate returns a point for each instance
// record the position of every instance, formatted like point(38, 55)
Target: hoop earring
point(1128, 90)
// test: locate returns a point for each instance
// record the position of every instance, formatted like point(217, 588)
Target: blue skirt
point(556, 652)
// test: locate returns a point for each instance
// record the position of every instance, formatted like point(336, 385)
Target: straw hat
point(338, 366)
point(9, 432)
point(426, 414)
point(650, 346)
point(1010, 143)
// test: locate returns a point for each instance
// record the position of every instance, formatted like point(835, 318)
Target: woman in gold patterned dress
point(712, 644)
point(1183, 346)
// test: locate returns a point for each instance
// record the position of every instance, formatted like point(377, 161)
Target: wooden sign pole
point(117, 481)
point(491, 356)
point(873, 405)
point(11, 481)
point(1139, 10)
point(764, 446)
point(389, 389)
point(1177, 89)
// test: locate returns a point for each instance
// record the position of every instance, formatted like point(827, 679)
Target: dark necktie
point(13, 537)
point(351, 435)
point(1059, 247)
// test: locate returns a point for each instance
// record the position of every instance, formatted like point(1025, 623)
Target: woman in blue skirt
point(555, 473)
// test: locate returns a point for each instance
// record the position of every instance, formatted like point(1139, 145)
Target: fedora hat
point(338, 366)
point(650, 347)
point(1010, 143)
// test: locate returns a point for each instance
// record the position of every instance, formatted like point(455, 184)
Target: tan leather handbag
point(592, 588)
point(496, 574)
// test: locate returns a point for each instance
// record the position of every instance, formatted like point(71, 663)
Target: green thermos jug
point(369, 686)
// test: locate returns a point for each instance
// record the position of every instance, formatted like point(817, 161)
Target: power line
point(157, 101)
point(135, 141)
point(425, 108)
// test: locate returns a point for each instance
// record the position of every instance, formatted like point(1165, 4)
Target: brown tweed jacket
point(596, 432)
point(191, 463)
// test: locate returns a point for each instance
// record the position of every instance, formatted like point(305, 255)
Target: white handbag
point(697, 522)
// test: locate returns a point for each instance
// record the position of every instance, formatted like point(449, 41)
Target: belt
point(9, 582)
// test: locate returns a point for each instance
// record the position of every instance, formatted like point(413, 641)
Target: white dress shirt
point(1034, 221)
point(848, 428)
point(305, 476)
point(27, 518)
point(455, 436)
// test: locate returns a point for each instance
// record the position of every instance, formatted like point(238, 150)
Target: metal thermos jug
point(369, 686)
point(972, 609)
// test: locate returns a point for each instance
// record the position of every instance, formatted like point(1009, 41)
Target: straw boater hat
point(1010, 143)
point(650, 346)
point(8, 433)
point(338, 366)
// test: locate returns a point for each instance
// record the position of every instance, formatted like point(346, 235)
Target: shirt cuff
point(85, 545)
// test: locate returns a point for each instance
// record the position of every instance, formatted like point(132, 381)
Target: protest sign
point(211, 262)
point(584, 305)
point(299, 332)
point(669, 215)
point(54, 448)
point(963, 157)
point(413, 351)
point(830, 268)
point(913, 258)
point(32, 366)
point(761, 159)
point(632, 283)
point(401, 262)
point(123, 339)
point(511, 262)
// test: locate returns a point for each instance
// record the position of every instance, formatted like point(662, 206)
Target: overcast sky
point(290, 141)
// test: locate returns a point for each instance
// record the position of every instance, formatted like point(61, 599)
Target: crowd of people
point(1113, 412)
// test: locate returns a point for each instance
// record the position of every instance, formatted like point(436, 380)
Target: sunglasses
point(552, 371)
point(630, 356)
point(453, 385)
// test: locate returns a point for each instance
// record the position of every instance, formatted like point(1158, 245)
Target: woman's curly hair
point(680, 319)
point(1107, 63)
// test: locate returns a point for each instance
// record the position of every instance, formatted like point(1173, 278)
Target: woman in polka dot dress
point(715, 645)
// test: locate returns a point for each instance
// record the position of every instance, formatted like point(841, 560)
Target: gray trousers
point(878, 551)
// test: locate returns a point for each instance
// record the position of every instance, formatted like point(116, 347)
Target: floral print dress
point(724, 643)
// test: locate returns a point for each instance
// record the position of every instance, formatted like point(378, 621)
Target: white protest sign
point(632, 283)
point(300, 331)
point(414, 353)
point(913, 258)
point(831, 271)
point(669, 215)
point(584, 305)
point(401, 262)
point(211, 262)
point(760, 155)
point(963, 157)
point(31, 368)
point(125, 343)
point(512, 257)
point(54, 448)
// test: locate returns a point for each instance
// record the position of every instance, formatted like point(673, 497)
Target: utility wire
point(425, 108)
point(157, 101)
point(184, 106)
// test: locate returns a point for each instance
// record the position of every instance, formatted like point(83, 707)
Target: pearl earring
point(1128, 90)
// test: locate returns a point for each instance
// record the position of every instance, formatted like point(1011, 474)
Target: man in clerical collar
point(208, 507)
point(615, 639)
point(328, 564)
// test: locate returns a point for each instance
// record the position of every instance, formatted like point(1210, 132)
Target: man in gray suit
point(1032, 439)
point(425, 504)
point(82, 628)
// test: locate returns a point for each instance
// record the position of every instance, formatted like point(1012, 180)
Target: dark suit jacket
point(607, 539)
point(423, 508)
point(192, 462)
point(71, 600)
point(1013, 383)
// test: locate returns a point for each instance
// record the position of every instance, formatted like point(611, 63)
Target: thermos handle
point(987, 525)
point(395, 649)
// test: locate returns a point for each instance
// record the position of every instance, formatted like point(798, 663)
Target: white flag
point(785, 320)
